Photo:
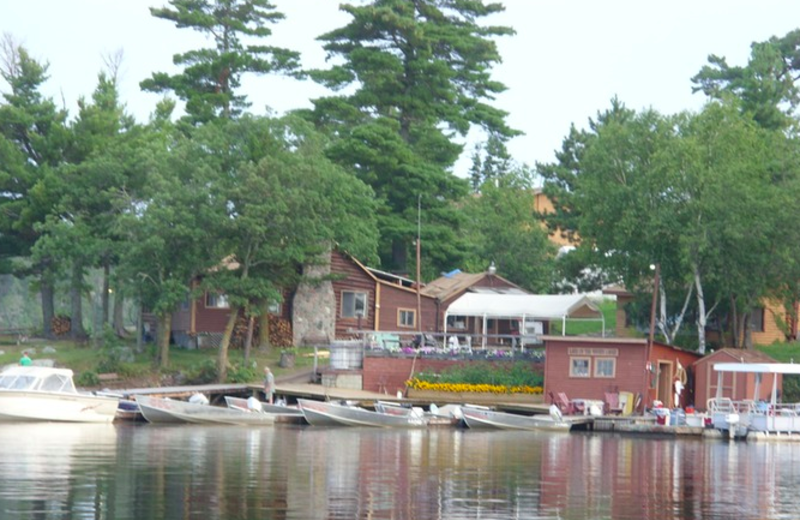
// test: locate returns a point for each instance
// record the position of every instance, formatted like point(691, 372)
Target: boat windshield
point(49, 383)
point(17, 382)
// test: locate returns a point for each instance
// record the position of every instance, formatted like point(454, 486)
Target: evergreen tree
point(211, 76)
point(34, 140)
point(420, 74)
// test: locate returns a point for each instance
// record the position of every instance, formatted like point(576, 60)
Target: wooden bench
point(108, 377)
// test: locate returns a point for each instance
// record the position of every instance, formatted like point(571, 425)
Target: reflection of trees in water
point(196, 472)
point(43, 472)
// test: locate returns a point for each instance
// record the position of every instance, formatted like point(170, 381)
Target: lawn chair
point(613, 405)
point(567, 407)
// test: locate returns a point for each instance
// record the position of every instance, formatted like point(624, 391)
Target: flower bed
point(435, 396)
point(469, 393)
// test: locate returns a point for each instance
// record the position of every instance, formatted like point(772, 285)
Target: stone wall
point(314, 307)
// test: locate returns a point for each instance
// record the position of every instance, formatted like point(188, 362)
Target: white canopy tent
point(537, 307)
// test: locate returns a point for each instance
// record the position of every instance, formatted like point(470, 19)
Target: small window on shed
point(605, 367)
point(579, 366)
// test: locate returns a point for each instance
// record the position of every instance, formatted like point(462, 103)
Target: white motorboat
point(158, 410)
point(33, 393)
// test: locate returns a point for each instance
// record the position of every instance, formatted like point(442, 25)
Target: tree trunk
point(104, 296)
point(119, 322)
point(701, 313)
point(735, 332)
point(248, 340)
point(77, 332)
point(222, 359)
point(48, 307)
point(263, 330)
point(747, 332)
point(164, 329)
point(139, 329)
point(399, 255)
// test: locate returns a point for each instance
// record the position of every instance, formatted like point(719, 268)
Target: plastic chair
point(613, 405)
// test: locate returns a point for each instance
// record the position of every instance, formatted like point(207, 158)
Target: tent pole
point(483, 339)
point(603, 319)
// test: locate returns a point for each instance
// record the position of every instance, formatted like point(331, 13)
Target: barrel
point(346, 355)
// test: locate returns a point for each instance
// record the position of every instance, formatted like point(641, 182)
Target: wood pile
point(280, 332)
point(60, 325)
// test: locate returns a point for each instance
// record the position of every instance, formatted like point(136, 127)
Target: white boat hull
point(330, 413)
point(483, 418)
point(55, 407)
point(157, 410)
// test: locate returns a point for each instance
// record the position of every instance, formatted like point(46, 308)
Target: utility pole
point(651, 338)
point(419, 256)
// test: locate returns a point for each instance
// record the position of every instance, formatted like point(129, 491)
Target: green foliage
point(211, 76)
point(420, 73)
point(478, 373)
point(201, 373)
point(502, 229)
point(242, 374)
point(766, 85)
point(87, 378)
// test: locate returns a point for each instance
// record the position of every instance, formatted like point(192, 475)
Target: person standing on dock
point(269, 384)
point(25, 360)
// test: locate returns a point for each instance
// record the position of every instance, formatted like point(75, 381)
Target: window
point(274, 308)
point(354, 304)
point(605, 367)
point(757, 320)
point(579, 367)
point(216, 301)
point(456, 322)
point(406, 318)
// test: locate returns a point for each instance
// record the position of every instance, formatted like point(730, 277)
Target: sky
point(568, 59)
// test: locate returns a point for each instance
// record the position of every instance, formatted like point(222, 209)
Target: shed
point(525, 307)
point(737, 386)
point(585, 367)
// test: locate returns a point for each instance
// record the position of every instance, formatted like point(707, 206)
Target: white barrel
point(346, 355)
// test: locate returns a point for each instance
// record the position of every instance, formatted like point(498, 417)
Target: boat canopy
point(528, 307)
point(759, 368)
point(34, 378)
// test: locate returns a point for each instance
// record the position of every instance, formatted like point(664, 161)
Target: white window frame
point(216, 301)
point(351, 311)
point(602, 360)
point(572, 367)
point(275, 308)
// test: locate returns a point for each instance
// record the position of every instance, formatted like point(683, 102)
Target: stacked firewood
point(239, 335)
point(280, 332)
point(60, 325)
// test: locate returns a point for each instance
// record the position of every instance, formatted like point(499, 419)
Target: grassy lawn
point(581, 327)
point(783, 352)
point(184, 364)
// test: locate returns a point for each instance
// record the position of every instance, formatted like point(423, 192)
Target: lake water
point(130, 471)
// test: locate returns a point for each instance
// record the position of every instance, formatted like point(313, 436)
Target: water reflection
point(51, 471)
